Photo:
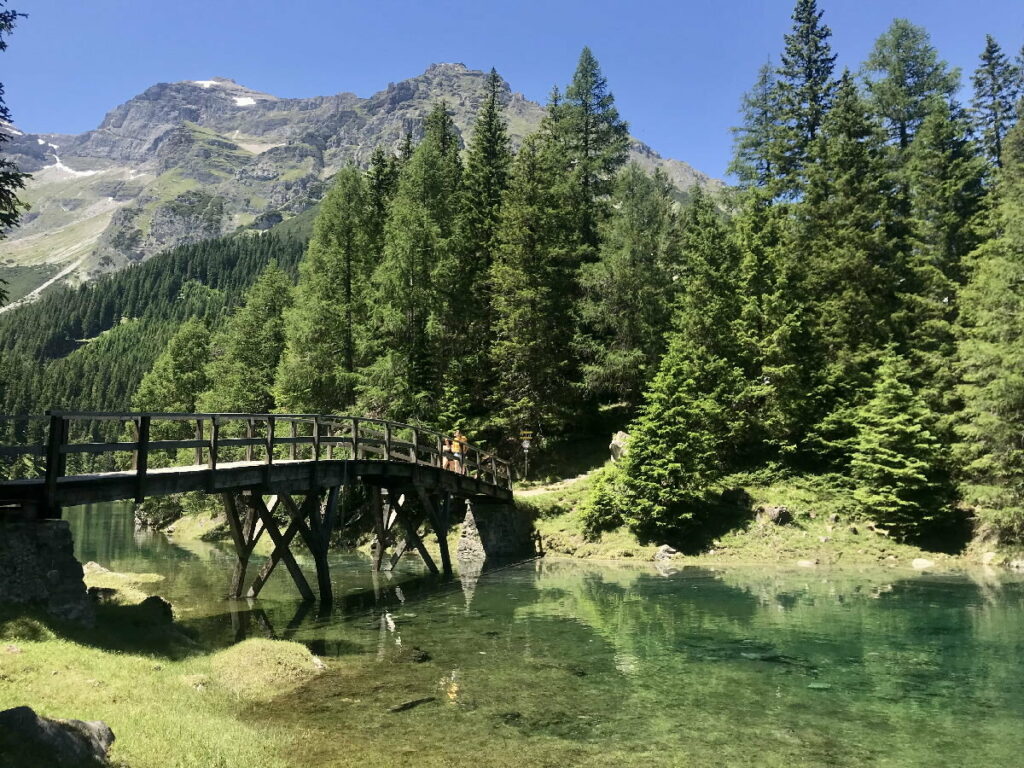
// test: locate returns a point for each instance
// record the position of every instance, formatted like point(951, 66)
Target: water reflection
point(582, 663)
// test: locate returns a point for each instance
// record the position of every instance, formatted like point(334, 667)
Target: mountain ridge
point(190, 160)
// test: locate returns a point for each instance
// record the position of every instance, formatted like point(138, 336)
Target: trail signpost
point(526, 436)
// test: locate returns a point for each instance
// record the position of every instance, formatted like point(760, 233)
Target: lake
point(559, 662)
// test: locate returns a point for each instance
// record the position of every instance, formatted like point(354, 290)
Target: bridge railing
point(155, 439)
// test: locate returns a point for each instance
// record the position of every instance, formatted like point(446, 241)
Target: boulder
point(157, 610)
point(774, 515)
point(806, 563)
point(988, 558)
point(58, 743)
point(664, 552)
point(921, 563)
point(1017, 565)
point(619, 445)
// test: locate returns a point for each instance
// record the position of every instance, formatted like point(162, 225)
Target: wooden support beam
point(282, 551)
point(242, 552)
point(377, 510)
point(438, 515)
point(413, 536)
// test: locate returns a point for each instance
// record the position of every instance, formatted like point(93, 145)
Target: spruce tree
point(592, 142)
point(532, 281)
point(805, 89)
point(485, 180)
point(997, 87)
point(904, 75)
point(247, 352)
point(318, 372)
point(754, 140)
point(897, 461)
point(179, 377)
point(946, 177)
point(11, 179)
point(627, 293)
point(382, 182)
point(991, 360)
point(413, 313)
point(844, 231)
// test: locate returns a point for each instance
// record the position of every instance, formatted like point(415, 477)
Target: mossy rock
point(258, 669)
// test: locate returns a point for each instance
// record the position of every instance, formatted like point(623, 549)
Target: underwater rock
point(406, 705)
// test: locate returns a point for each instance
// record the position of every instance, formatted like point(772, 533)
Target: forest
point(852, 308)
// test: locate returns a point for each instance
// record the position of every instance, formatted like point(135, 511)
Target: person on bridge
point(460, 446)
point(448, 455)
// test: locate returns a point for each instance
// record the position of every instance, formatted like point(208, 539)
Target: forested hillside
point(852, 310)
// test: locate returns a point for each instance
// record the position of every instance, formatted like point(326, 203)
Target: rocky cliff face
point(190, 160)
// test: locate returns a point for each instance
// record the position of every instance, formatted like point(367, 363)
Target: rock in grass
point(405, 705)
point(806, 563)
point(33, 740)
point(921, 563)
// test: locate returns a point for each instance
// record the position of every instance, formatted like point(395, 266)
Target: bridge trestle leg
point(245, 533)
point(282, 547)
point(437, 513)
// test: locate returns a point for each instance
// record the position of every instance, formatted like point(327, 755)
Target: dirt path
point(561, 484)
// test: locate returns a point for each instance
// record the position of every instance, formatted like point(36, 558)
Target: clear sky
point(677, 67)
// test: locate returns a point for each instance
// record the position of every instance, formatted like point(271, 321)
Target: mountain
point(188, 161)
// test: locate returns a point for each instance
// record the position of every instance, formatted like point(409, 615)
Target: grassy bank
point(170, 702)
point(819, 531)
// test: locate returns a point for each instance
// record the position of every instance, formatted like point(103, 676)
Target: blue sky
point(677, 67)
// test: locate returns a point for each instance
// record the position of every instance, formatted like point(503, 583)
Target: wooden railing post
point(270, 439)
point(199, 436)
point(356, 453)
point(56, 461)
point(414, 451)
point(142, 459)
point(387, 441)
point(295, 433)
point(249, 434)
point(439, 457)
point(214, 434)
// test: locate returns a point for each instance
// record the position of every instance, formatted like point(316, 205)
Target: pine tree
point(991, 360)
point(178, 377)
point(413, 314)
point(532, 278)
point(11, 179)
point(946, 177)
point(382, 183)
point(485, 180)
point(997, 87)
point(753, 141)
point(897, 461)
point(247, 352)
point(628, 292)
point(593, 142)
point(318, 372)
point(844, 230)
point(805, 89)
point(904, 75)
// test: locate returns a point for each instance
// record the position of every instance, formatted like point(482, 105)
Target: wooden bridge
point(349, 471)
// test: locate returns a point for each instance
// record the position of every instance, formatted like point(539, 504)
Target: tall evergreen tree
point(628, 292)
point(246, 354)
point(593, 142)
point(382, 182)
point(318, 372)
point(11, 179)
point(845, 231)
point(532, 278)
point(997, 87)
point(897, 461)
point(413, 318)
point(991, 360)
point(754, 140)
point(485, 180)
point(904, 75)
point(178, 378)
point(805, 89)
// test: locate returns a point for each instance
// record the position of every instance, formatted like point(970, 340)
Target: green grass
point(22, 280)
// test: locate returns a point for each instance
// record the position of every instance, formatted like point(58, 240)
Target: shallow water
point(568, 663)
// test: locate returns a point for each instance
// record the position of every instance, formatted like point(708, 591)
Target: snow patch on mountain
point(244, 101)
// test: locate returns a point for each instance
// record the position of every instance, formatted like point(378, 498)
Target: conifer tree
point(945, 176)
point(485, 180)
point(382, 182)
point(997, 87)
point(991, 360)
point(627, 294)
point(904, 75)
point(11, 179)
point(593, 142)
point(805, 89)
point(753, 141)
point(412, 316)
point(690, 425)
point(896, 462)
point(246, 354)
point(844, 230)
point(532, 278)
point(178, 378)
point(318, 372)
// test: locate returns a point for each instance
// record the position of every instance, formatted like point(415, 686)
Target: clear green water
point(564, 663)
